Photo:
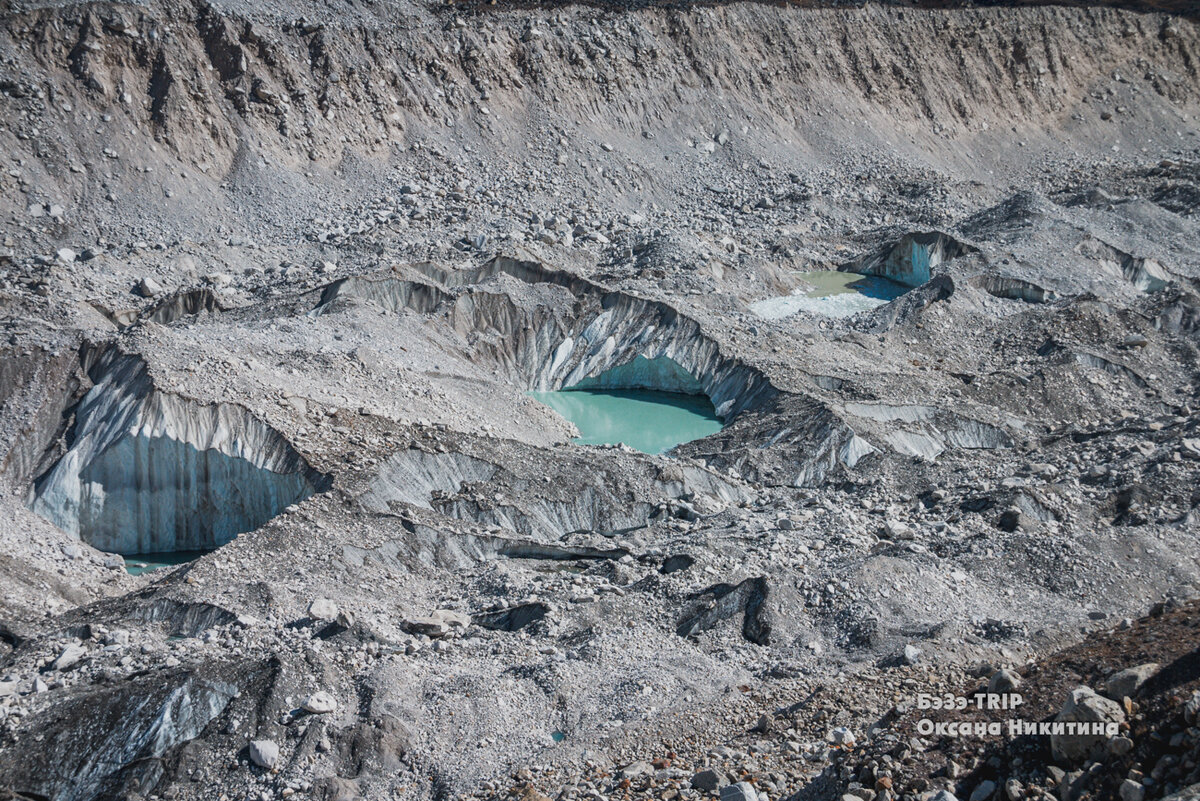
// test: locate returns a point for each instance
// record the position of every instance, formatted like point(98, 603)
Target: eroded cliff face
point(149, 472)
point(209, 85)
point(636, 492)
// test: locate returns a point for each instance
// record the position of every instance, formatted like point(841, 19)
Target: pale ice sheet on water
point(830, 294)
point(831, 306)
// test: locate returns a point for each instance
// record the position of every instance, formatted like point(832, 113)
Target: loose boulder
point(709, 781)
point(1084, 705)
point(319, 703)
point(1126, 683)
point(742, 791)
point(322, 609)
point(1003, 682)
point(264, 753)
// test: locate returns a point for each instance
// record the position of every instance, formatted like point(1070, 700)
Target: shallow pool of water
point(646, 420)
point(831, 293)
point(139, 563)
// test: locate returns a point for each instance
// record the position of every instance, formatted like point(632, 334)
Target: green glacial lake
point(832, 294)
point(646, 420)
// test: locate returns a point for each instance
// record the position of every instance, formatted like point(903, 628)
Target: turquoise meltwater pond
point(139, 563)
point(646, 420)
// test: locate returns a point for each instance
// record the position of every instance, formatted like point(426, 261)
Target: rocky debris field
point(1140, 676)
point(281, 518)
point(835, 741)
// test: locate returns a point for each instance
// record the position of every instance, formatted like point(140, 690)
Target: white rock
point(322, 609)
point(319, 703)
point(842, 736)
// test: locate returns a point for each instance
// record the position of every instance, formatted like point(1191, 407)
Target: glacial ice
point(912, 259)
point(147, 472)
point(662, 374)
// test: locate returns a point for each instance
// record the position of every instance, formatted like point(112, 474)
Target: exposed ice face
point(156, 494)
point(148, 472)
point(662, 373)
point(912, 259)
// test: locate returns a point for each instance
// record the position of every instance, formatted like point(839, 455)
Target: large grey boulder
point(983, 791)
point(69, 657)
point(148, 287)
point(1126, 683)
point(322, 609)
point(709, 781)
point(636, 770)
point(1004, 682)
point(742, 791)
point(1084, 705)
point(319, 703)
point(264, 753)
point(1131, 790)
point(439, 624)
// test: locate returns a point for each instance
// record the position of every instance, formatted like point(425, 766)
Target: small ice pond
point(833, 294)
point(139, 563)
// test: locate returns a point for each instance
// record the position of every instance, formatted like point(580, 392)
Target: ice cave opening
point(651, 405)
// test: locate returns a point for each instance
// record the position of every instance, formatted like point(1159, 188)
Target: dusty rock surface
point(288, 270)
